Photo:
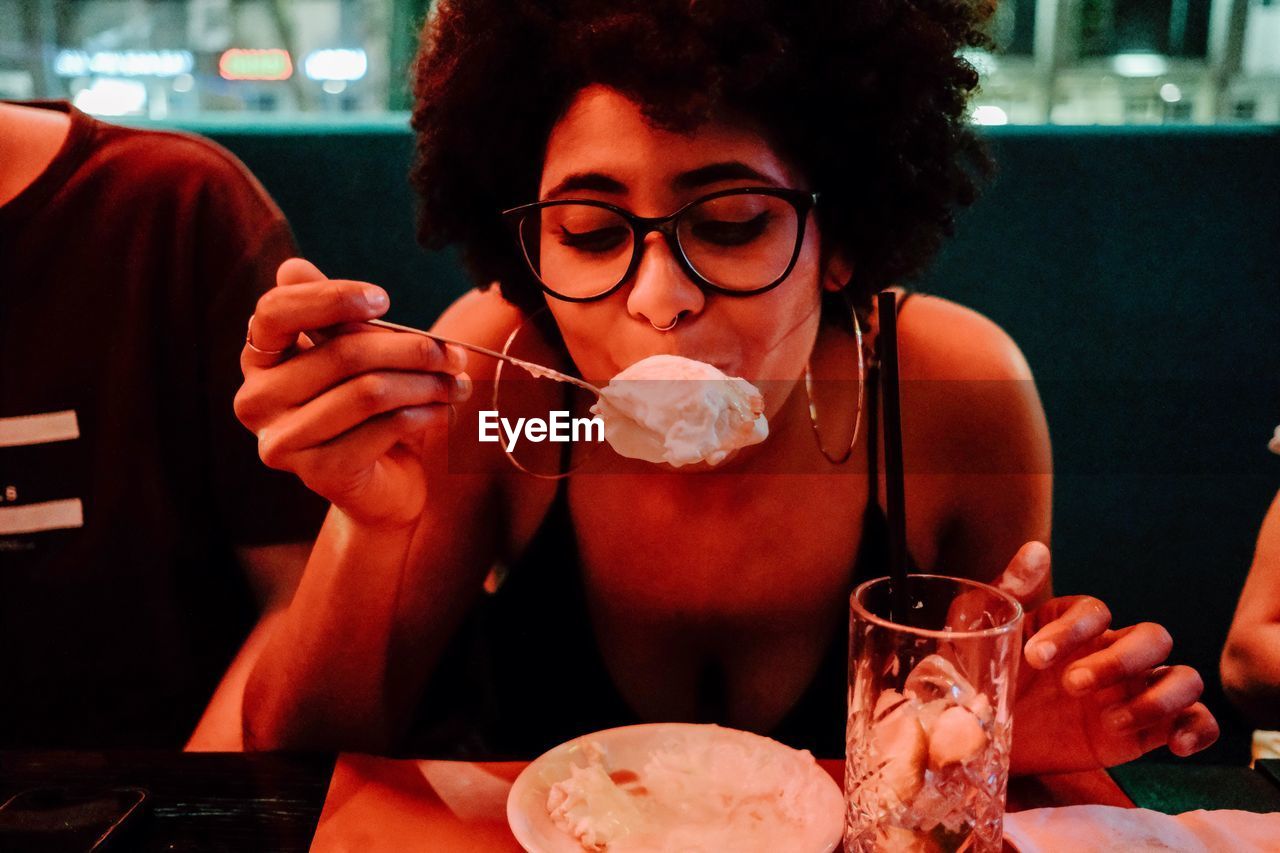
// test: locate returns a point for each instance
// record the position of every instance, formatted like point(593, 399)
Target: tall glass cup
point(930, 719)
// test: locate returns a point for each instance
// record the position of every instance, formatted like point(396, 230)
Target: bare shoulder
point(942, 340)
point(968, 387)
point(973, 415)
point(478, 305)
point(482, 317)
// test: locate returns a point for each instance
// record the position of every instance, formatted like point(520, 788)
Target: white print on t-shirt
point(33, 518)
point(39, 429)
point(25, 431)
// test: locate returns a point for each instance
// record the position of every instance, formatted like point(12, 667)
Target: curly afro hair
point(867, 98)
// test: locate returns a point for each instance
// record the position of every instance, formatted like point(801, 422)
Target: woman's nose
point(662, 291)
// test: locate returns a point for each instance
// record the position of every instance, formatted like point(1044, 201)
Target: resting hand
point(1091, 696)
point(348, 410)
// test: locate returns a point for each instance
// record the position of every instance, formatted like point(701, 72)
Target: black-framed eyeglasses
point(738, 242)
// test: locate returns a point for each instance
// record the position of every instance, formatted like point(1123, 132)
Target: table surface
point(207, 802)
point(272, 802)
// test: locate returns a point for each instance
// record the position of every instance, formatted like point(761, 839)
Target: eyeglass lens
point(737, 242)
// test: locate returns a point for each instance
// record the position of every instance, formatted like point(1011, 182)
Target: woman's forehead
point(603, 143)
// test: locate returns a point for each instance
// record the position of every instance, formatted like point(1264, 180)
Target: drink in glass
point(930, 722)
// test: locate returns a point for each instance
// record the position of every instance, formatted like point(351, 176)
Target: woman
point(641, 592)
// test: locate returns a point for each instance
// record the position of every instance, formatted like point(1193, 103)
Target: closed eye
point(598, 240)
point(724, 232)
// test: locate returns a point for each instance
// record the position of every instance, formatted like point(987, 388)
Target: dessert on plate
point(710, 790)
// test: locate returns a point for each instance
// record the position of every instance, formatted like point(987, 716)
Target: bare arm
point(273, 572)
point(1251, 658)
point(362, 419)
point(343, 666)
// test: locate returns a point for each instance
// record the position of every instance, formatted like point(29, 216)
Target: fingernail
point(1117, 719)
point(457, 356)
point(1079, 680)
point(1038, 558)
point(463, 381)
point(1188, 743)
point(377, 298)
point(1044, 651)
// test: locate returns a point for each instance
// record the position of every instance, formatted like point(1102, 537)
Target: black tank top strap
point(873, 415)
point(873, 436)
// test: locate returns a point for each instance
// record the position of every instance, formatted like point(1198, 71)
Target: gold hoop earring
point(497, 381)
point(813, 408)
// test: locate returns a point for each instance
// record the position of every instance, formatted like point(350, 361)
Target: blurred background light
point(990, 115)
point(1139, 64)
point(109, 96)
point(240, 63)
point(336, 64)
point(984, 62)
point(123, 63)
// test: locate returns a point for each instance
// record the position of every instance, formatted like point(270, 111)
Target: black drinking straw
point(899, 602)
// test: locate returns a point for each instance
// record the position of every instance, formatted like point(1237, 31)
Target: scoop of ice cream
point(667, 408)
point(935, 677)
point(901, 749)
point(957, 737)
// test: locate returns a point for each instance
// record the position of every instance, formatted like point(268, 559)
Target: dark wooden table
point(208, 802)
point(242, 803)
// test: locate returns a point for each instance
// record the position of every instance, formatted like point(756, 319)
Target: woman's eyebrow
point(712, 173)
point(731, 170)
point(594, 181)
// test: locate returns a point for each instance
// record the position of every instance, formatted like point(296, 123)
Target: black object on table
point(1177, 788)
point(1270, 767)
point(208, 802)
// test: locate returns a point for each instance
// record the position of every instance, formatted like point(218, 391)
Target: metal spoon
point(534, 369)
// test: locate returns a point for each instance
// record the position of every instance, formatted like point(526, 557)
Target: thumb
point(1027, 573)
point(298, 271)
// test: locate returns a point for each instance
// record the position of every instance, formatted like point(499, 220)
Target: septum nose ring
point(668, 327)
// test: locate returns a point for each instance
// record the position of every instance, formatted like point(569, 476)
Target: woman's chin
point(728, 464)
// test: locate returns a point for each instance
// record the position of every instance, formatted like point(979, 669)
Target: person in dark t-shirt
point(137, 525)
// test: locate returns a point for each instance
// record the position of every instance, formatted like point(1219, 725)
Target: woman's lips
point(681, 411)
point(724, 365)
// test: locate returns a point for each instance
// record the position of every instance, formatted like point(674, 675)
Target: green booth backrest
point(1139, 270)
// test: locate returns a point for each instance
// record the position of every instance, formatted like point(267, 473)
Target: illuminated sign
point(336, 64)
point(123, 63)
point(246, 64)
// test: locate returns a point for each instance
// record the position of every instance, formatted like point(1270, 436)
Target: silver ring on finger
point(248, 341)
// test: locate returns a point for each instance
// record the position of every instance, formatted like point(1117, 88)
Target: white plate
point(630, 747)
